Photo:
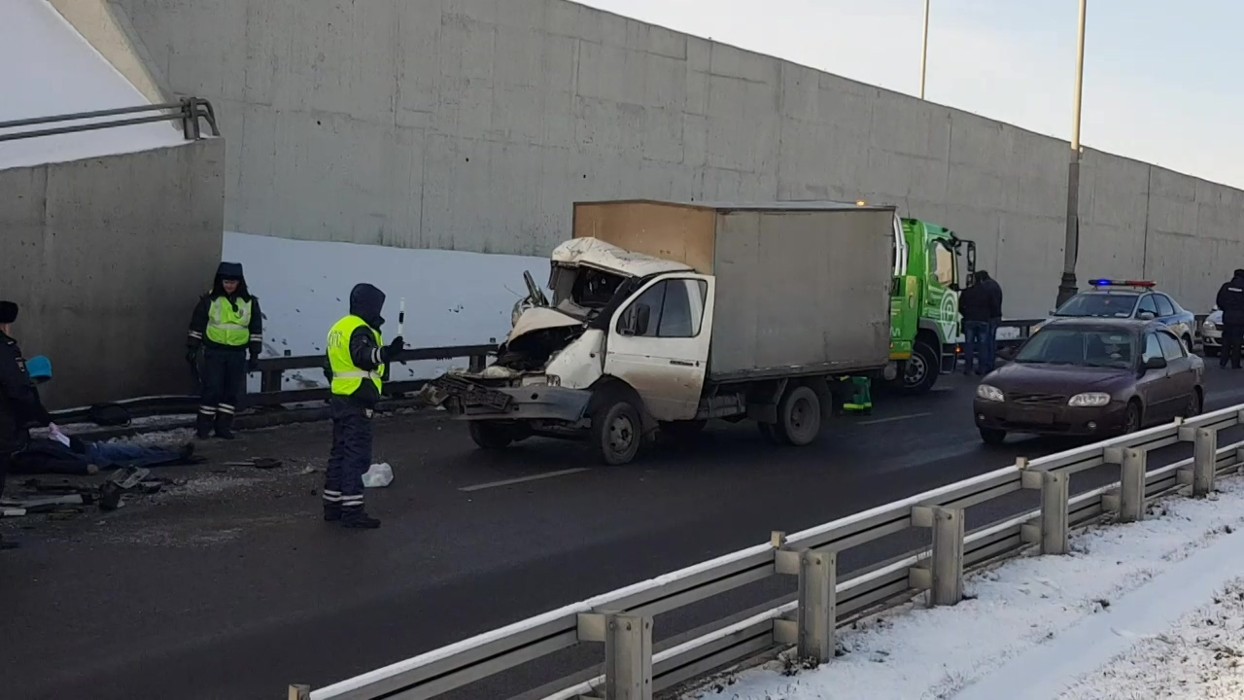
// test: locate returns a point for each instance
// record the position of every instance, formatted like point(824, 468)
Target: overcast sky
point(1162, 77)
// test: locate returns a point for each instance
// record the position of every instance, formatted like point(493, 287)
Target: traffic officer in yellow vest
point(356, 360)
point(226, 323)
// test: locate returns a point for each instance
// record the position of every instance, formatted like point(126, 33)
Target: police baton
point(401, 322)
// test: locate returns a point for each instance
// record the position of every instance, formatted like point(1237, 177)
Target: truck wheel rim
point(915, 370)
point(621, 434)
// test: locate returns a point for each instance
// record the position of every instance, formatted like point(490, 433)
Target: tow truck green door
point(904, 316)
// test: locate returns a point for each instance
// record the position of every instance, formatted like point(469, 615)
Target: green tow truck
point(925, 329)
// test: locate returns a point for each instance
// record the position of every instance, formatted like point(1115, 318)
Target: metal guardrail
point(622, 620)
point(189, 110)
point(272, 394)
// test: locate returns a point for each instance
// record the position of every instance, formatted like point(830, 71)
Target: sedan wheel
point(1132, 422)
point(1196, 404)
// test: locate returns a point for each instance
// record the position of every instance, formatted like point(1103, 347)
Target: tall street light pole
point(1067, 287)
point(924, 52)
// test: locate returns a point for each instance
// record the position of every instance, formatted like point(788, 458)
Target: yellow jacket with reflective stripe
point(226, 326)
point(347, 377)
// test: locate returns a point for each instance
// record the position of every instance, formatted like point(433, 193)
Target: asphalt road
point(230, 586)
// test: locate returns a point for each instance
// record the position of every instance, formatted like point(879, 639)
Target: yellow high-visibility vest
point(226, 326)
point(348, 377)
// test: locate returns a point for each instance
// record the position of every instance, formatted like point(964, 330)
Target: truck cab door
point(659, 342)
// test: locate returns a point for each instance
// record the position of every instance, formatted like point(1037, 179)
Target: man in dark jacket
point(20, 405)
point(1231, 301)
point(981, 307)
point(226, 322)
point(355, 369)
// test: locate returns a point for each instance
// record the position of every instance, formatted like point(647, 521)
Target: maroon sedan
point(1091, 377)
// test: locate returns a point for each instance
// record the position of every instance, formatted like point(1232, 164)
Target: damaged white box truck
point(665, 315)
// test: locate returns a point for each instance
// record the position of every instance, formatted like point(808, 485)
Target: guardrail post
point(628, 658)
point(1132, 493)
point(1204, 461)
point(1055, 493)
point(270, 380)
point(818, 579)
point(947, 556)
point(299, 692)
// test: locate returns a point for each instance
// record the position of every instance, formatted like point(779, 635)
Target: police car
point(1134, 299)
point(1211, 332)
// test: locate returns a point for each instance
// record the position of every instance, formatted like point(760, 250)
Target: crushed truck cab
point(665, 315)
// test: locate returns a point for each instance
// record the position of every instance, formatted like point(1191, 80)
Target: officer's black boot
point(332, 511)
point(203, 426)
point(224, 425)
point(356, 519)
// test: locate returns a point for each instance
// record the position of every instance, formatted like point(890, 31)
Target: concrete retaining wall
point(473, 124)
point(106, 258)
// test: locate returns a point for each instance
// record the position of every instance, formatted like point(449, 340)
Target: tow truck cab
point(926, 332)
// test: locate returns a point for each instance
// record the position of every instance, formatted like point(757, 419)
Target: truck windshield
point(578, 291)
point(1099, 306)
point(1083, 348)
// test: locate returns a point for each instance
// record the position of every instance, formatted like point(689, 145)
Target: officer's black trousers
point(350, 457)
point(224, 379)
point(1232, 335)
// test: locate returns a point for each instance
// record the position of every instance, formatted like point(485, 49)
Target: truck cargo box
point(802, 287)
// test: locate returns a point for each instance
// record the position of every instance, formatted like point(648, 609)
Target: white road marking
point(893, 419)
point(522, 479)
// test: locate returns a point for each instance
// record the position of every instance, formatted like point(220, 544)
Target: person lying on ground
point(79, 458)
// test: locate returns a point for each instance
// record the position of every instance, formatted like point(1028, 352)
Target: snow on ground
point(1038, 626)
point(1201, 656)
point(47, 68)
point(452, 298)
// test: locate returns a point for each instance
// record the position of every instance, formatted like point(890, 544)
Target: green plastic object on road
point(925, 326)
point(861, 396)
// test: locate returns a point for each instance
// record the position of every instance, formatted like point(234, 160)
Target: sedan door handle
point(682, 363)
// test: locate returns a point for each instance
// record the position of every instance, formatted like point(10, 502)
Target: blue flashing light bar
point(1122, 283)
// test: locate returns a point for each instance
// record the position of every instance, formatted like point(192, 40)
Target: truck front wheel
point(921, 369)
point(799, 416)
point(491, 436)
point(617, 432)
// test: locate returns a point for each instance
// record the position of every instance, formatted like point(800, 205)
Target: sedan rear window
point(1099, 306)
point(1083, 348)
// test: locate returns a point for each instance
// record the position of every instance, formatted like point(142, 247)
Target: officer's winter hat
point(229, 271)
point(8, 312)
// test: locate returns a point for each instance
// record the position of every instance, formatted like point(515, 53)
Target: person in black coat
point(20, 405)
point(1231, 301)
point(227, 323)
point(981, 307)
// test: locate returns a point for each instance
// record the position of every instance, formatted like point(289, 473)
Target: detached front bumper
point(1051, 420)
point(469, 400)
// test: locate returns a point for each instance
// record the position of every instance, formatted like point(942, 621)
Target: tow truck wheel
point(799, 416)
point(617, 432)
point(921, 369)
point(490, 436)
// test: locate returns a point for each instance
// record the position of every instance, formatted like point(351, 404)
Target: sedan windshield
point(1099, 306)
point(1078, 347)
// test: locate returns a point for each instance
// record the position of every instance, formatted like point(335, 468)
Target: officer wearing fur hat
point(20, 406)
point(226, 323)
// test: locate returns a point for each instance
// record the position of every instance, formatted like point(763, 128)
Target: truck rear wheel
point(921, 369)
point(799, 416)
point(617, 431)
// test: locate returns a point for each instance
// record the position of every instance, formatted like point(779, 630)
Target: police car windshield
point(1081, 348)
point(1112, 305)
